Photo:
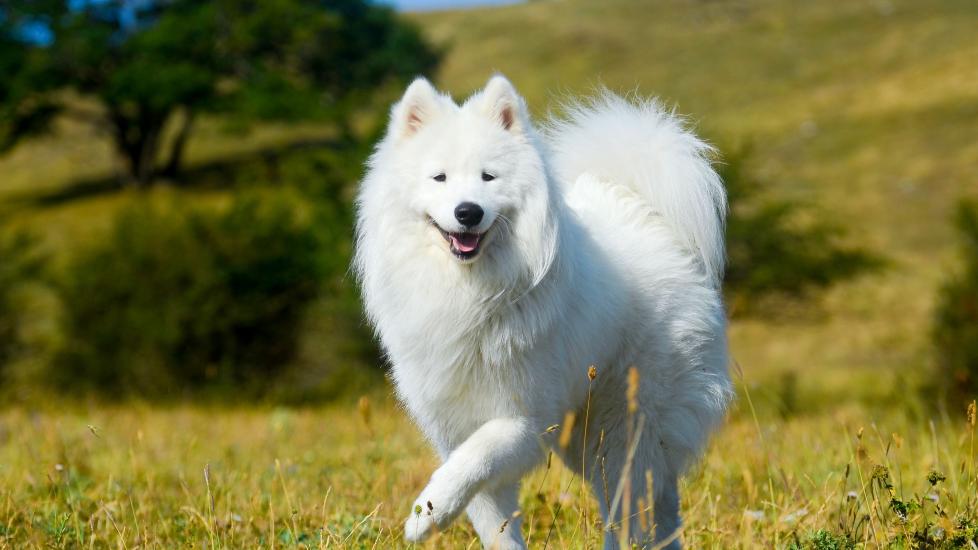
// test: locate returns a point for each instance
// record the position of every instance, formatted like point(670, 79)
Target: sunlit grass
point(137, 476)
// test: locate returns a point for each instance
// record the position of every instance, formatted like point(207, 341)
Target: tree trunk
point(175, 163)
point(137, 139)
point(145, 171)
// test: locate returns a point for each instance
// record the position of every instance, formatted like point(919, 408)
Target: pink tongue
point(464, 242)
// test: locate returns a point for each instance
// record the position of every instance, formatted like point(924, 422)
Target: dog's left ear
point(501, 103)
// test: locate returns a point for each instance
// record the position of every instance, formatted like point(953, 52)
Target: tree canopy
point(150, 63)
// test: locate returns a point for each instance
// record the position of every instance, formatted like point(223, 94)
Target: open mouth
point(464, 245)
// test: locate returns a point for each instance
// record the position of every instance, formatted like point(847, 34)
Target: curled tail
point(640, 145)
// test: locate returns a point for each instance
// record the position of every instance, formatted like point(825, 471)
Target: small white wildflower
point(755, 515)
point(795, 516)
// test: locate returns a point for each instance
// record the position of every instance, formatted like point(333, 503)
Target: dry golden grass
point(344, 476)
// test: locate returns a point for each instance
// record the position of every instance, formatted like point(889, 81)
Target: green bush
point(20, 262)
point(339, 355)
point(822, 539)
point(772, 250)
point(956, 323)
point(177, 299)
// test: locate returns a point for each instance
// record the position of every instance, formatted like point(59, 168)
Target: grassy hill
point(867, 109)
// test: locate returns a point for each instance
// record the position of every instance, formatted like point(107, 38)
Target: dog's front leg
point(501, 451)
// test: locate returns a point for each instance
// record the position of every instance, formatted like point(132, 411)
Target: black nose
point(468, 214)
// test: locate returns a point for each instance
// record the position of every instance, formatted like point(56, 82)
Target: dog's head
point(471, 175)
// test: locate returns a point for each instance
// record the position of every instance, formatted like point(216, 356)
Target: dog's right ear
point(503, 104)
point(418, 106)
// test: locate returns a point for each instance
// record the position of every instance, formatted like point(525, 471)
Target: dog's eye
point(439, 177)
point(486, 176)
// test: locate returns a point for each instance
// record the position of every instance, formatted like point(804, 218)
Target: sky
point(39, 33)
point(429, 5)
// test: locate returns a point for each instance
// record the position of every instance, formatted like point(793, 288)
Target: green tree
point(152, 64)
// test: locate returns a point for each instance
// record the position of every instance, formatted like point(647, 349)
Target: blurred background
point(176, 184)
point(176, 180)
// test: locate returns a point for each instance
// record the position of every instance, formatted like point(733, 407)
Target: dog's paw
point(435, 508)
point(419, 525)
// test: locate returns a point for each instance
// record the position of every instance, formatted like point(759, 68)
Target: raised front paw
point(420, 524)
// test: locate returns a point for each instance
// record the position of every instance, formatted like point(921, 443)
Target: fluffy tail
point(640, 145)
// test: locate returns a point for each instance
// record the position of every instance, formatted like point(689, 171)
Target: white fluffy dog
point(498, 265)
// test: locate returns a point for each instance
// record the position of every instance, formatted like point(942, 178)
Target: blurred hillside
point(868, 110)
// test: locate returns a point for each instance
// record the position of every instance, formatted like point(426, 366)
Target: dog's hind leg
point(493, 514)
point(619, 482)
point(623, 468)
point(666, 511)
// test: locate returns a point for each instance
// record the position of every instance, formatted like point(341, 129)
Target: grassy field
point(345, 476)
point(867, 109)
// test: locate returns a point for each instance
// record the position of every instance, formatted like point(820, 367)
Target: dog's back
point(643, 148)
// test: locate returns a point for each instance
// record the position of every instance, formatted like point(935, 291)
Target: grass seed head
point(881, 474)
point(363, 406)
point(632, 392)
point(567, 430)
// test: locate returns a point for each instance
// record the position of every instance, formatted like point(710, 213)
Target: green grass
point(867, 109)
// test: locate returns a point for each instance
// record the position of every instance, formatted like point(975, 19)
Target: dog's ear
point(418, 107)
point(501, 103)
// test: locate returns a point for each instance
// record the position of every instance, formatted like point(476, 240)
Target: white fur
point(604, 247)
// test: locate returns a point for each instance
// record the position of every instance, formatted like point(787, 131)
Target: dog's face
point(466, 171)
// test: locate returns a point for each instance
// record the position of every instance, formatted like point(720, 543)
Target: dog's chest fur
point(456, 371)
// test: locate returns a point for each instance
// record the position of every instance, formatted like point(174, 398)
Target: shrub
point(772, 251)
point(338, 355)
point(176, 299)
point(955, 332)
point(19, 263)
